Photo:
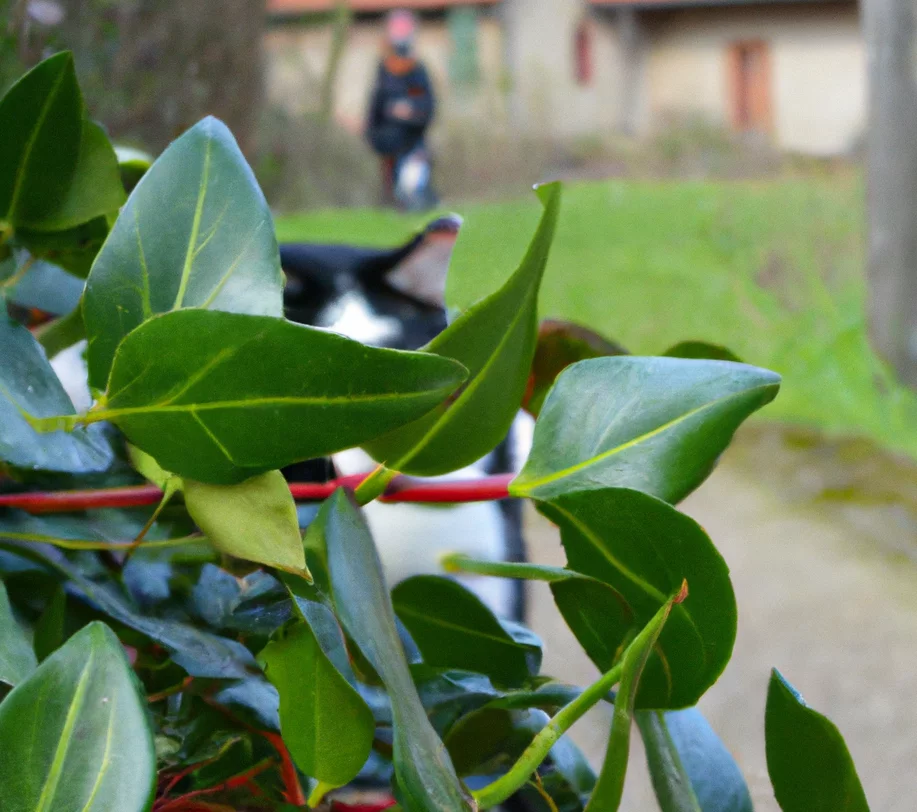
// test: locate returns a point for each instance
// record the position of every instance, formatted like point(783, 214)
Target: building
point(790, 72)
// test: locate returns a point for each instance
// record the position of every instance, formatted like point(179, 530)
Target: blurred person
point(400, 111)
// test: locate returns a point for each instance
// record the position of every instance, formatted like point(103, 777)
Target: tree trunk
point(891, 40)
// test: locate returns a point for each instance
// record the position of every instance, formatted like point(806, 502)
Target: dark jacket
point(392, 136)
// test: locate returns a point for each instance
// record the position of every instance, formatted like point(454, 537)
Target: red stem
point(293, 789)
point(401, 489)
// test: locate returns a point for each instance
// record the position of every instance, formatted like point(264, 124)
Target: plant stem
point(320, 791)
point(14, 280)
point(292, 788)
point(374, 485)
point(547, 737)
point(457, 562)
point(401, 489)
point(88, 544)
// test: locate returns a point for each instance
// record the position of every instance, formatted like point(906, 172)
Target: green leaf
point(324, 722)
point(133, 165)
point(701, 349)
point(606, 797)
point(74, 250)
point(643, 549)
point(96, 189)
point(219, 397)
point(75, 735)
point(47, 287)
point(29, 388)
point(17, 659)
point(254, 520)
point(691, 769)
point(807, 759)
point(495, 340)
point(196, 232)
point(199, 652)
point(150, 470)
point(50, 630)
point(654, 424)
point(490, 740)
point(426, 777)
point(561, 343)
point(453, 629)
point(40, 129)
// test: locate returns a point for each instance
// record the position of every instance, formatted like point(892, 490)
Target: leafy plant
point(168, 636)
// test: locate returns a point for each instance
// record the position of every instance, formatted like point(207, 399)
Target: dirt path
point(818, 598)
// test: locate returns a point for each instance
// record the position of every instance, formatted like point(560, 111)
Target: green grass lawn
point(772, 269)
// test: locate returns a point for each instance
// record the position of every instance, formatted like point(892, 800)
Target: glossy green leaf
point(133, 165)
point(561, 343)
point(200, 653)
point(426, 777)
point(17, 659)
point(691, 769)
point(643, 549)
point(491, 739)
point(653, 424)
point(74, 250)
point(606, 797)
point(47, 287)
point(41, 119)
point(50, 630)
point(219, 397)
point(701, 349)
point(75, 735)
point(495, 340)
point(254, 520)
point(96, 189)
point(453, 629)
point(324, 722)
point(28, 386)
point(196, 232)
point(807, 759)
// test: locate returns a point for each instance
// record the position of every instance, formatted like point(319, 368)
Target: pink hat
point(401, 26)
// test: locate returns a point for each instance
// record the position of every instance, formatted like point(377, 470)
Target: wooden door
point(750, 86)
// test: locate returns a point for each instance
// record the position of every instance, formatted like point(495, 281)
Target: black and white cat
point(395, 298)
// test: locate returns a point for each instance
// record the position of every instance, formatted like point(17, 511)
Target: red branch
point(401, 489)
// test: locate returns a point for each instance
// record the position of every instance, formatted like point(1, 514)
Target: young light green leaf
point(254, 520)
point(807, 759)
point(29, 388)
point(453, 629)
point(495, 339)
point(653, 424)
point(75, 735)
point(426, 777)
point(324, 722)
point(218, 397)
point(41, 120)
point(96, 189)
point(17, 659)
point(606, 797)
point(691, 769)
point(211, 245)
point(151, 470)
point(642, 549)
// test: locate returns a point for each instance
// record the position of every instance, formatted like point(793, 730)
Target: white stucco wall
point(818, 71)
